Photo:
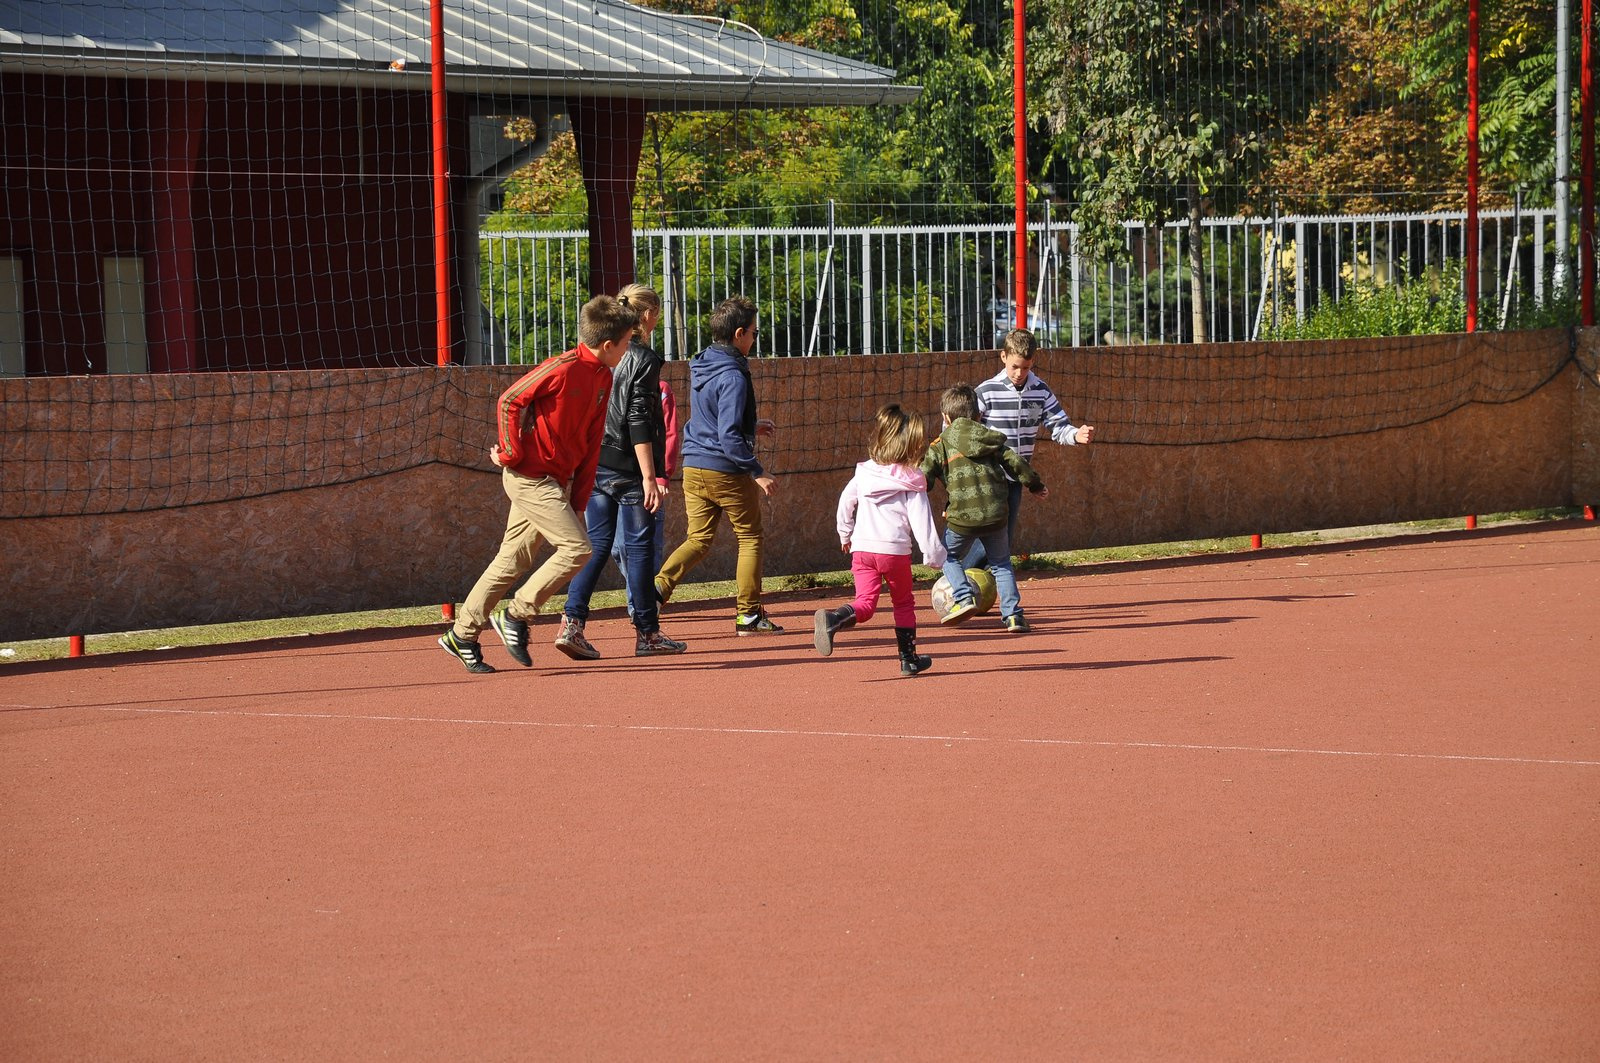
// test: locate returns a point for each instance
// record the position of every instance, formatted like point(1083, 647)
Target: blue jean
point(996, 546)
point(975, 558)
point(658, 546)
point(616, 512)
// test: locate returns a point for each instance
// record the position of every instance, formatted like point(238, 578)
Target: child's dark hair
point(1019, 341)
point(959, 400)
point(603, 320)
point(731, 315)
point(898, 437)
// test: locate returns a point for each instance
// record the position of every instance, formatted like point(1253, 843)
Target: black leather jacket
point(633, 412)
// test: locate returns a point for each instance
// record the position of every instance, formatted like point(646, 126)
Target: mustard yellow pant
point(708, 496)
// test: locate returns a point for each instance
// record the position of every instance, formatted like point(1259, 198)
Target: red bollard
point(1588, 513)
point(1255, 542)
point(1472, 522)
point(74, 645)
point(448, 610)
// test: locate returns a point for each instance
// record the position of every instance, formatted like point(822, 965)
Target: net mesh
point(218, 257)
point(75, 446)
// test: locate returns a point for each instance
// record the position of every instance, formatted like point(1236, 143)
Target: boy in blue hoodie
point(721, 476)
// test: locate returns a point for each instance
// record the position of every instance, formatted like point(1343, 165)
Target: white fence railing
point(862, 290)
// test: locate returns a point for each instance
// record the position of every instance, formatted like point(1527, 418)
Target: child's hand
point(1044, 492)
point(497, 457)
point(766, 483)
point(845, 547)
point(765, 427)
point(1085, 434)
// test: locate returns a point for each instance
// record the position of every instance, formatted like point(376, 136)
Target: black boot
point(829, 623)
point(910, 662)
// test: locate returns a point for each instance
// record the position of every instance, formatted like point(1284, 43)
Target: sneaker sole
point(521, 656)
point(483, 668)
point(821, 637)
point(578, 653)
point(955, 616)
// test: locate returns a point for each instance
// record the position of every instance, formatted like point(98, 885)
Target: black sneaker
point(468, 653)
point(756, 623)
point(514, 633)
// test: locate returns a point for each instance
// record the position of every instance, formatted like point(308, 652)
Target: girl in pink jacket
point(883, 509)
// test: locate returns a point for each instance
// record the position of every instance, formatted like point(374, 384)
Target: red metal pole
point(1255, 542)
point(441, 184)
point(441, 201)
point(1019, 121)
point(74, 645)
point(1470, 237)
point(1586, 248)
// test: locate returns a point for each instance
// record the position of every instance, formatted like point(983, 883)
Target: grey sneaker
point(1017, 624)
point(959, 611)
point(468, 653)
point(756, 623)
point(572, 643)
point(655, 644)
point(514, 633)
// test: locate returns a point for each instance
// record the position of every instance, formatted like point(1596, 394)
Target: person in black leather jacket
point(627, 491)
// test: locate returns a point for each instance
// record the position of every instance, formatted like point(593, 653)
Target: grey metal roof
point(551, 48)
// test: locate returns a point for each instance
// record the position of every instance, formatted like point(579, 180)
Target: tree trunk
point(1197, 277)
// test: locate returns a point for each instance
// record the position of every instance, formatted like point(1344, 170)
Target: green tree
point(1516, 85)
point(1159, 109)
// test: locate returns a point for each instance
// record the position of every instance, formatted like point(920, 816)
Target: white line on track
point(875, 735)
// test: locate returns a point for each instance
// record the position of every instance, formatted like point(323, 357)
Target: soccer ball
point(981, 581)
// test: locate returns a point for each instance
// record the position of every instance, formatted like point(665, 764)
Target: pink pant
point(870, 570)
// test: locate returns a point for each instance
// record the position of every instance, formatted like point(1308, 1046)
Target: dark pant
point(616, 511)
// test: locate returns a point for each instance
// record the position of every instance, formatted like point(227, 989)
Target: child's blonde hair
point(898, 437)
point(1019, 341)
point(641, 299)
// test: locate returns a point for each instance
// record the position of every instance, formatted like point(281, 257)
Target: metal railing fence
point(878, 289)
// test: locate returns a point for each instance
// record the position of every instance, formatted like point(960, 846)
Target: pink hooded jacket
point(884, 508)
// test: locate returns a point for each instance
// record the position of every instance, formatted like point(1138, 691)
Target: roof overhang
point(544, 49)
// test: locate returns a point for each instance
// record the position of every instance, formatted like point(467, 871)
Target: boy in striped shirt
point(549, 425)
point(1017, 403)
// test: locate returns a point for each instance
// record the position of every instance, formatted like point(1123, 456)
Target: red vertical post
point(1019, 122)
point(441, 183)
point(441, 200)
point(74, 645)
point(1255, 542)
point(1470, 237)
point(1586, 248)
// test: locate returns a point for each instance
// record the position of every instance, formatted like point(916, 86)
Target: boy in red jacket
point(550, 424)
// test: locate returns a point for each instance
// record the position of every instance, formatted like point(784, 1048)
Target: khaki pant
point(540, 509)
point(708, 495)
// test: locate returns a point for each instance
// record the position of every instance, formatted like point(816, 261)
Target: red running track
point(1340, 803)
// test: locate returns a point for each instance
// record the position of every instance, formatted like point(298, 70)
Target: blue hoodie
point(721, 434)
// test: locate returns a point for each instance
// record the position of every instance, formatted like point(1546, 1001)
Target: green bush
point(1432, 303)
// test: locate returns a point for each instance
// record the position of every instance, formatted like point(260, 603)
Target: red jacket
point(551, 420)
